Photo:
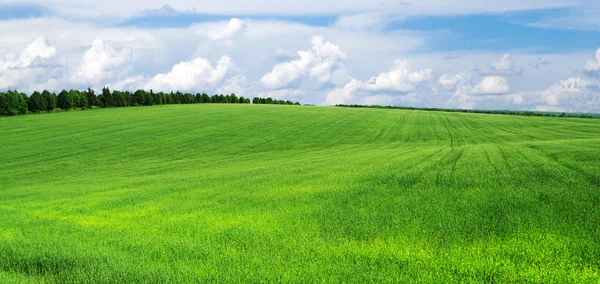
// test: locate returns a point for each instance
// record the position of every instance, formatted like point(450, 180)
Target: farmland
point(251, 193)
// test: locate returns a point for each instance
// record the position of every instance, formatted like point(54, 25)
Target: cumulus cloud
point(592, 67)
point(450, 82)
point(33, 67)
point(402, 78)
point(319, 63)
point(39, 48)
point(225, 31)
point(343, 95)
point(491, 85)
point(197, 74)
point(100, 62)
point(569, 94)
point(505, 66)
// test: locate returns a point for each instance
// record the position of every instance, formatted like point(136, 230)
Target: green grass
point(260, 193)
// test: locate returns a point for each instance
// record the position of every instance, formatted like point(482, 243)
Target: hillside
point(231, 193)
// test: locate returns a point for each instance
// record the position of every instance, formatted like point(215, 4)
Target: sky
point(473, 54)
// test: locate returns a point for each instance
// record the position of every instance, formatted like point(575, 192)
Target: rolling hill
point(251, 193)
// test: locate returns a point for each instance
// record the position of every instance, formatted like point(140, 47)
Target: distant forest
point(504, 112)
point(16, 103)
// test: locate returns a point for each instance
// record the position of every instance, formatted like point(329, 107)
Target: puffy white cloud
point(592, 67)
point(564, 92)
point(225, 31)
point(34, 67)
point(100, 62)
point(450, 82)
point(197, 74)
point(402, 78)
point(319, 63)
point(505, 66)
point(343, 95)
point(491, 85)
point(39, 48)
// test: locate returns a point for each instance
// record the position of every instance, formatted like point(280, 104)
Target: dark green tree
point(51, 100)
point(37, 103)
point(64, 100)
point(119, 98)
point(91, 98)
point(108, 98)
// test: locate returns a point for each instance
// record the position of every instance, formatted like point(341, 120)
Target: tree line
point(503, 112)
point(17, 103)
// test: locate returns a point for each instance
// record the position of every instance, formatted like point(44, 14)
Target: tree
point(119, 99)
point(91, 98)
point(64, 100)
point(127, 96)
point(189, 98)
point(234, 99)
point(108, 98)
point(37, 103)
point(155, 98)
point(269, 101)
point(13, 103)
point(205, 98)
point(51, 100)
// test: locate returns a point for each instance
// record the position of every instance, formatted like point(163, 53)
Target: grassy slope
point(278, 193)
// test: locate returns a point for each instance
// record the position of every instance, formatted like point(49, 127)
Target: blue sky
point(517, 54)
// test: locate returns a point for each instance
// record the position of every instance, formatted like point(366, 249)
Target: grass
point(262, 193)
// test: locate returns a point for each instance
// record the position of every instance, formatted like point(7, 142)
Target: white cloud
point(491, 85)
point(198, 74)
point(402, 78)
point(592, 67)
point(505, 66)
point(343, 95)
point(564, 91)
point(39, 48)
point(319, 63)
point(34, 67)
point(100, 62)
point(450, 82)
point(225, 31)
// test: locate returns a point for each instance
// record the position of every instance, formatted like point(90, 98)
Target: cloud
point(539, 62)
point(450, 82)
point(362, 22)
point(39, 48)
point(505, 66)
point(592, 67)
point(343, 95)
point(221, 32)
point(402, 78)
point(562, 94)
point(197, 74)
point(491, 85)
point(319, 63)
point(34, 67)
point(100, 62)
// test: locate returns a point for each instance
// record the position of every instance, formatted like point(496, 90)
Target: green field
point(265, 193)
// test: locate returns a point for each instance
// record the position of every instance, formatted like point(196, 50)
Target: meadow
point(272, 193)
